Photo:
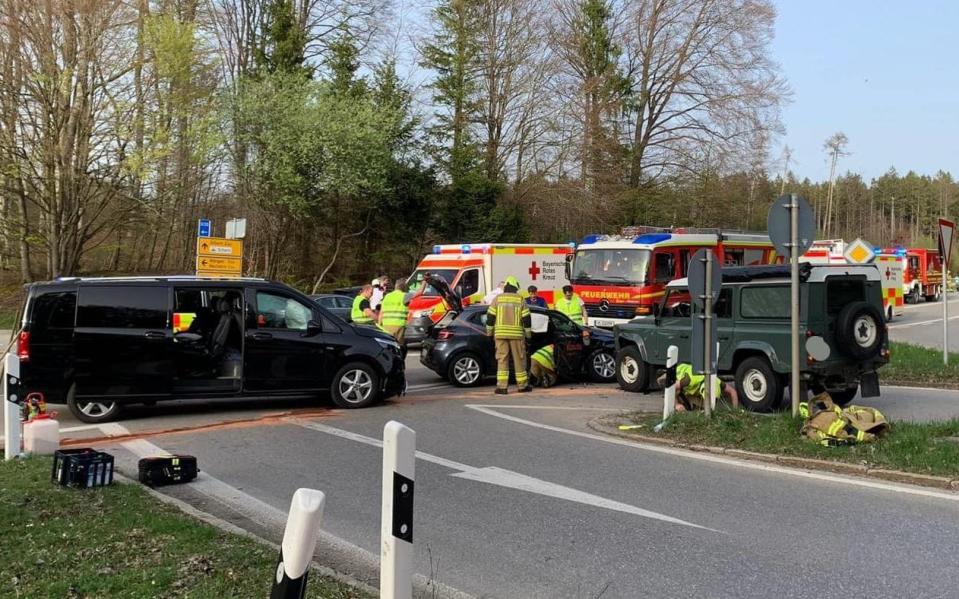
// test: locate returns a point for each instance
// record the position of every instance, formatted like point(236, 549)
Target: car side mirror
point(314, 328)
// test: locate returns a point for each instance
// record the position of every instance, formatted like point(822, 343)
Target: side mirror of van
point(569, 267)
point(314, 328)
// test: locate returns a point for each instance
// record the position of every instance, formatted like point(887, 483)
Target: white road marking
point(904, 325)
point(707, 457)
point(507, 478)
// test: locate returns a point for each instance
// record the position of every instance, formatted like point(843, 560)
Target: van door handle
point(155, 335)
point(261, 336)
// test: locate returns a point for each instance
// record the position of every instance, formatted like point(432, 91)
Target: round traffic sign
point(778, 223)
point(696, 275)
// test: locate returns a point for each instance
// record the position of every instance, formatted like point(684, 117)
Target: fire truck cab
point(922, 273)
point(620, 277)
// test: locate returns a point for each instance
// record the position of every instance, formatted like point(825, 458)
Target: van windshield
point(611, 266)
point(416, 279)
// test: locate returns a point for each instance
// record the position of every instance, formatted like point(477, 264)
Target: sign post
point(705, 280)
point(947, 228)
point(792, 226)
point(11, 406)
point(396, 523)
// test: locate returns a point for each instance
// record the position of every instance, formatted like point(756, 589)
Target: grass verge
point(915, 365)
point(119, 541)
point(911, 447)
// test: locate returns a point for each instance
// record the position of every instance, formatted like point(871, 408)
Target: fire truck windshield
point(626, 266)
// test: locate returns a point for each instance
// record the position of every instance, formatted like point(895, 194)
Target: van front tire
point(356, 385)
point(91, 411)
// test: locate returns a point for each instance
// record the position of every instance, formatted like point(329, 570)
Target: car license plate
point(602, 322)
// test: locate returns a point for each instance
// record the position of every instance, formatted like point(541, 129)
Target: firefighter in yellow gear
point(394, 312)
point(508, 322)
point(542, 367)
point(692, 393)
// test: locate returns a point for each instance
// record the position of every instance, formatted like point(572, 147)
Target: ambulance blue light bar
point(651, 238)
point(592, 238)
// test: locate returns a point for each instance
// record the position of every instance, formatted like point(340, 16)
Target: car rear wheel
point(759, 388)
point(356, 385)
point(602, 366)
point(466, 370)
point(860, 330)
point(92, 411)
point(632, 372)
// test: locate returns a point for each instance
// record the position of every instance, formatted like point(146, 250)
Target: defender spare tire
point(860, 331)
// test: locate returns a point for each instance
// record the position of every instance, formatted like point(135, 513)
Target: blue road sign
point(203, 228)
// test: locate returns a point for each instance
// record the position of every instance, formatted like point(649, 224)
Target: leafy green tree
point(282, 41)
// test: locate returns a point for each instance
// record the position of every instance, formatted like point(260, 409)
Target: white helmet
point(375, 283)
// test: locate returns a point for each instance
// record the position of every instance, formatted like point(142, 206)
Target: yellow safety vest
point(508, 317)
point(544, 356)
point(697, 382)
point(356, 314)
point(393, 309)
point(572, 307)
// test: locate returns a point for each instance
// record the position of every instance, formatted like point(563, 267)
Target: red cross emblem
point(888, 273)
point(533, 270)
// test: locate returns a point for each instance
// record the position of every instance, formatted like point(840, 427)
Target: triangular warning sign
point(947, 230)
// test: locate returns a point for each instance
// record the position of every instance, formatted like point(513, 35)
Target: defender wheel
point(92, 411)
point(860, 331)
point(466, 370)
point(356, 385)
point(758, 386)
point(632, 372)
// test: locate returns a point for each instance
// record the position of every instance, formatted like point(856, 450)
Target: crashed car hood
point(443, 288)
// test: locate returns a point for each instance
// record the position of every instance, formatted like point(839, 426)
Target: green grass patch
point(911, 447)
point(916, 365)
point(119, 541)
point(7, 318)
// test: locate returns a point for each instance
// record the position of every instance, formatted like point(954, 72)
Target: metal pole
point(11, 407)
point(396, 524)
point(794, 289)
point(299, 543)
point(707, 334)
point(945, 312)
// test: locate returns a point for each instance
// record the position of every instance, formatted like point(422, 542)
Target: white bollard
point(396, 524)
point(299, 543)
point(11, 406)
point(669, 397)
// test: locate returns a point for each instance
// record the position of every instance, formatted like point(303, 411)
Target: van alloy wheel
point(96, 409)
point(355, 386)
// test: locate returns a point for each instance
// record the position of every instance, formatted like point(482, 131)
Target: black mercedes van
point(99, 343)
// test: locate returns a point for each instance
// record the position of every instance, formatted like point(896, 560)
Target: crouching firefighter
point(508, 321)
point(692, 393)
point(542, 367)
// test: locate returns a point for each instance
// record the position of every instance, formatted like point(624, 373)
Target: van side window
point(665, 271)
point(53, 311)
point(278, 312)
point(468, 283)
point(124, 307)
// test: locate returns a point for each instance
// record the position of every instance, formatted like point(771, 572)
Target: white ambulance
point(891, 270)
point(473, 270)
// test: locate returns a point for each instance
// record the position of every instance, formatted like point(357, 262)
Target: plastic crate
point(82, 468)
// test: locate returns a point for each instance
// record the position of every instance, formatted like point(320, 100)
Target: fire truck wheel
point(913, 296)
point(632, 372)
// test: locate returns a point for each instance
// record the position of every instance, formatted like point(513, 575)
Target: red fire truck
point(622, 276)
point(922, 273)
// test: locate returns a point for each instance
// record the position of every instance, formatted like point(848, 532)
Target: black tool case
point(167, 470)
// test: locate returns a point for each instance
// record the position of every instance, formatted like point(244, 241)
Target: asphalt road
point(921, 324)
point(518, 497)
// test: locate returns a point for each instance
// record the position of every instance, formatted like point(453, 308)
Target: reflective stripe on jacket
point(356, 314)
point(544, 356)
point(508, 317)
point(697, 382)
point(393, 309)
point(573, 308)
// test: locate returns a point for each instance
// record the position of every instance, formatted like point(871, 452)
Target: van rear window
point(53, 311)
point(123, 307)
